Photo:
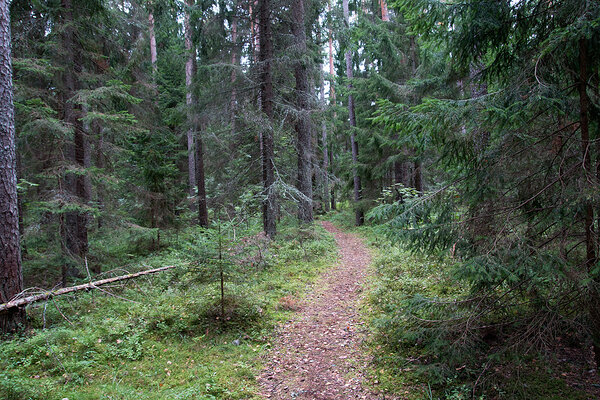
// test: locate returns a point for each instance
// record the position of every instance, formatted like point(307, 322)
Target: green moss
point(166, 341)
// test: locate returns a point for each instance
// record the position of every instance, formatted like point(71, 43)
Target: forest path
point(317, 355)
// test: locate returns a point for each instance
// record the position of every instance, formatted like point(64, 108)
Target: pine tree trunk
point(266, 97)
point(384, 11)
point(190, 71)
point(303, 122)
point(359, 214)
point(11, 278)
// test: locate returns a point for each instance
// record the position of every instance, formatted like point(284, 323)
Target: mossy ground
point(162, 337)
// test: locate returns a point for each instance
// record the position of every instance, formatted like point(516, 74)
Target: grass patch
point(167, 340)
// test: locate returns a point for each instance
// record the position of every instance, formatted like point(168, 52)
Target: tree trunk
point(418, 178)
point(331, 70)
point(303, 123)
point(82, 186)
point(588, 181)
point(333, 204)
point(384, 11)
point(359, 214)
point(325, 167)
point(418, 174)
point(153, 53)
point(190, 71)
point(401, 175)
point(99, 133)
point(332, 99)
point(252, 31)
point(202, 205)
point(234, 49)
point(595, 114)
point(478, 89)
point(11, 277)
point(266, 98)
point(76, 221)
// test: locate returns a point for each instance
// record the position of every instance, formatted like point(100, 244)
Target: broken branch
point(92, 285)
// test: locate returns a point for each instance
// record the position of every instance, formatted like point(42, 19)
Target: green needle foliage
point(478, 135)
point(514, 184)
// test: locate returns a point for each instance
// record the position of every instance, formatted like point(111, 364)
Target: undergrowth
point(164, 336)
point(421, 351)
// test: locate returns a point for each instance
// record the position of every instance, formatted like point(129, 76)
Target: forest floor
point(318, 355)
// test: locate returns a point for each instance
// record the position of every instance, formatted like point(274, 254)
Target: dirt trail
point(317, 355)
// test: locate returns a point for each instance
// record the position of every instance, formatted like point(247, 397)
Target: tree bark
point(190, 71)
point(99, 133)
point(325, 145)
point(303, 122)
point(385, 16)
point(76, 222)
point(153, 53)
point(402, 174)
point(331, 70)
point(266, 97)
point(359, 214)
point(332, 99)
point(11, 277)
point(595, 116)
point(252, 30)
point(202, 205)
point(418, 178)
point(234, 50)
point(325, 167)
point(325, 155)
point(478, 89)
point(418, 174)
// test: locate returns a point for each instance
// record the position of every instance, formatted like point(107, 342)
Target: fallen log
point(86, 286)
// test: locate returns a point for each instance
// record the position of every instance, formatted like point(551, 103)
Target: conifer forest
point(299, 199)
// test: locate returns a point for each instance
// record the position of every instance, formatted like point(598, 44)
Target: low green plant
point(159, 337)
point(421, 346)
